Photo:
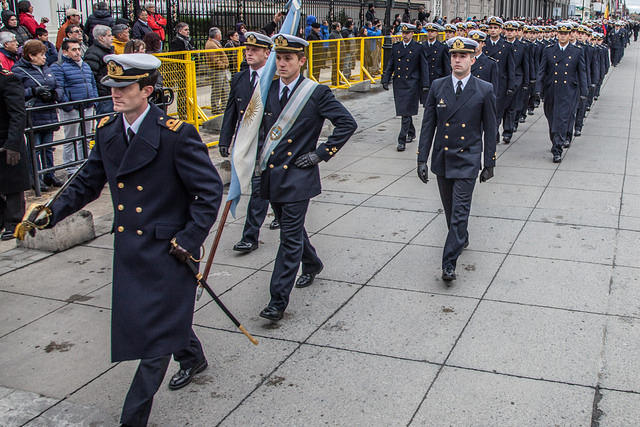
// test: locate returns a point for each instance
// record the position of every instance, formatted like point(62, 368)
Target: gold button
point(289, 153)
point(138, 209)
point(289, 141)
point(461, 150)
point(120, 229)
point(446, 148)
point(446, 124)
point(241, 111)
point(120, 185)
point(273, 153)
point(462, 138)
point(139, 232)
point(555, 72)
point(463, 125)
point(139, 187)
point(446, 137)
point(285, 167)
point(555, 81)
point(120, 207)
point(271, 166)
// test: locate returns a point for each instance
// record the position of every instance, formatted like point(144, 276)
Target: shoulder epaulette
point(169, 123)
point(493, 59)
point(106, 120)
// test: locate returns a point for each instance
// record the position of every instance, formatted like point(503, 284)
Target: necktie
point(130, 134)
point(459, 89)
point(254, 75)
point(284, 98)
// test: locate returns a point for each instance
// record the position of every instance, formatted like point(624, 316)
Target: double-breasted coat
point(562, 80)
point(437, 57)
point(486, 68)
point(459, 126)
point(410, 72)
point(282, 181)
point(162, 185)
point(239, 97)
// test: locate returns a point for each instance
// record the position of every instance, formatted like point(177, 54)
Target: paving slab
point(357, 182)
point(523, 340)
point(621, 367)
point(236, 367)
point(390, 225)
point(16, 258)
point(426, 330)
point(384, 166)
point(475, 272)
point(308, 308)
point(469, 398)
point(17, 310)
point(632, 184)
point(404, 203)
point(232, 233)
point(485, 234)
point(57, 353)
point(321, 215)
point(70, 414)
point(521, 176)
point(618, 409)
point(568, 242)
point(552, 283)
point(624, 299)
point(630, 205)
point(349, 396)
point(627, 248)
point(18, 407)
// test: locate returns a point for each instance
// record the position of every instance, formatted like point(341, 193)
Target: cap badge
point(251, 39)
point(281, 41)
point(114, 69)
point(458, 44)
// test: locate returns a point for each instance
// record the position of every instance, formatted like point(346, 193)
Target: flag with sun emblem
point(245, 145)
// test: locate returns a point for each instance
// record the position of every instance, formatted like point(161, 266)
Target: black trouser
point(406, 129)
point(558, 141)
point(456, 200)
point(294, 248)
point(580, 113)
point(509, 115)
point(11, 210)
point(256, 213)
point(148, 378)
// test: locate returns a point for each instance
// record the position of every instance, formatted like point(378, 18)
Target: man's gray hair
point(149, 4)
point(100, 30)
point(213, 32)
point(6, 37)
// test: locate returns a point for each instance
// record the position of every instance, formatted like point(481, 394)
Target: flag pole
point(216, 241)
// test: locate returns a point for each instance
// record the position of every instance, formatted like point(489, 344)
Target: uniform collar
point(455, 81)
point(135, 126)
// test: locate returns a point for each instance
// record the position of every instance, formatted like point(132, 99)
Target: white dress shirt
point(455, 81)
point(135, 126)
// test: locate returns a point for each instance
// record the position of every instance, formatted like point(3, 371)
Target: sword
point(26, 226)
point(202, 283)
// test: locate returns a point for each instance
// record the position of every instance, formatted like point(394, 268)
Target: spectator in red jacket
point(156, 21)
point(8, 50)
point(25, 10)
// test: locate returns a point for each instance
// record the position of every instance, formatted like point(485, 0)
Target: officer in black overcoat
point(410, 72)
point(592, 62)
point(513, 103)
point(460, 112)
point(561, 81)
point(436, 55)
point(497, 48)
point(485, 68)
point(14, 171)
point(257, 49)
point(163, 187)
point(288, 163)
point(616, 41)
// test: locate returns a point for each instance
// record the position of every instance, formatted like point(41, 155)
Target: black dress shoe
point(184, 376)
point(410, 138)
point(400, 146)
point(530, 112)
point(52, 181)
point(448, 273)
point(557, 158)
point(306, 279)
point(566, 145)
point(578, 132)
point(506, 139)
point(7, 235)
point(522, 119)
point(275, 224)
point(466, 244)
point(246, 247)
point(271, 313)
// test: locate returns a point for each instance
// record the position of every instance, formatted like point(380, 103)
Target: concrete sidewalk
point(542, 326)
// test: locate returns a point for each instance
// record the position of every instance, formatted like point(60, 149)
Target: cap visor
point(109, 82)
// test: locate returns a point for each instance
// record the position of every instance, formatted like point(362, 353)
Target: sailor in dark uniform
point(484, 67)
point(257, 49)
point(294, 113)
point(592, 62)
point(164, 189)
point(436, 55)
point(562, 81)
point(497, 48)
point(410, 72)
point(449, 31)
point(460, 112)
point(513, 103)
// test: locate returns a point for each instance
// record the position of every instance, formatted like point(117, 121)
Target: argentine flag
point(245, 144)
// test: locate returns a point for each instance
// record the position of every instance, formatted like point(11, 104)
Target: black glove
point(385, 86)
point(43, 93)
point(486, 174)
point(423, 172)
point(224, 150)
point(509, 92)
point(13, 157)
point(425, 89)
point(179, 252)
point(308, 160)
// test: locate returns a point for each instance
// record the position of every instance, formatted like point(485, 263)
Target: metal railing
point(82, 143)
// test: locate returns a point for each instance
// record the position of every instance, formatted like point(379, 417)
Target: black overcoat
point(13, 179)
point(410, 72)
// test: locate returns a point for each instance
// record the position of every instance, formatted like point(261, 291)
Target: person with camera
point(40, 88)
point(27, 20)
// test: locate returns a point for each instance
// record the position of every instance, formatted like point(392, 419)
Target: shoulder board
point(493, 59)
point(106, 120)
point(169, 123)
point(549, 46)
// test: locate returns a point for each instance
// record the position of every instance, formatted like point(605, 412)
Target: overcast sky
point(633, 5)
